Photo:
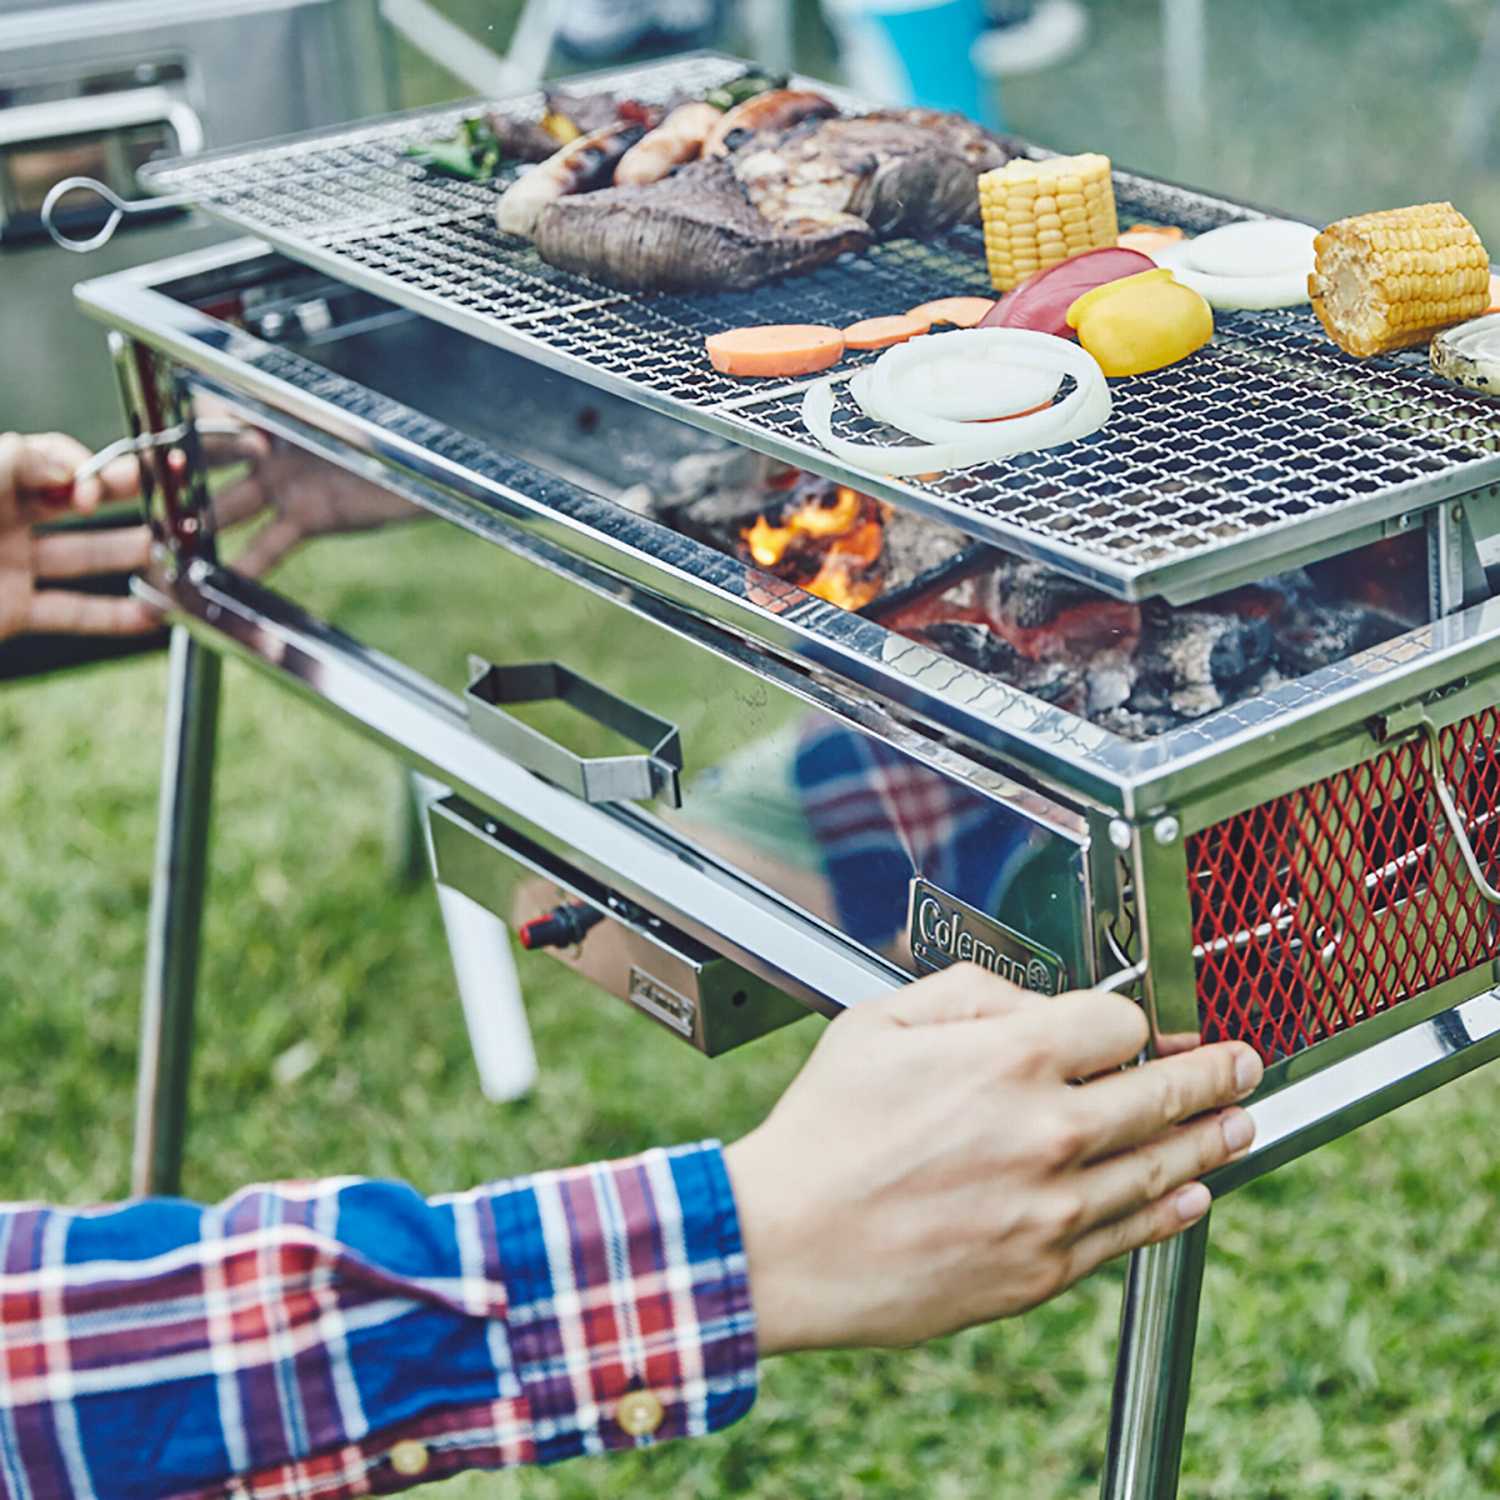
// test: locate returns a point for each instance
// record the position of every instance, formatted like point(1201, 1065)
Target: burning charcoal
point(1196, 647)
point(967, 643)
point(1327, 633)
point(1109, 679)
point(1026, 595)
point(915, 545)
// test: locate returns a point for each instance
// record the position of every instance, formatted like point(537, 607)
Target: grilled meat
point(693, 230)
point(575, 168)
point(902, 171)
point(785, 203)
point(776, 109)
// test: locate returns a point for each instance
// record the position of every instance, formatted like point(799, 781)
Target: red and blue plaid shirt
point(350, 1337)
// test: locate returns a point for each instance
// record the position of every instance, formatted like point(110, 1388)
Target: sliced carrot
point(962, 312)
point(1149, 237)
point(880, 333)
point(780, 349)
point(1494, 292)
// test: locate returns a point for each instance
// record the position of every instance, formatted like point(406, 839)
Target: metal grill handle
point(118, 208)
point(1434, 744)
point(613, 778)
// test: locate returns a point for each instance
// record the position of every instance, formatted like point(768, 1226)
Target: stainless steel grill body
point(1266, 445)
point(1234, 867)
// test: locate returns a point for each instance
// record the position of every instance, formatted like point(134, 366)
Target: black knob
point(562, 927)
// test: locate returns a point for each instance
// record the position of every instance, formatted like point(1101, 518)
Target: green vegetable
point(474, 154)
point(746, 86)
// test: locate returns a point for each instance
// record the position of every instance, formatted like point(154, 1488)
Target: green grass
point(1350, 1333)
point(1350, 1347)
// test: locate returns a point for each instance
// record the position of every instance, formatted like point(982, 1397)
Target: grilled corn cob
point(1037, 213)
point(1392, 279)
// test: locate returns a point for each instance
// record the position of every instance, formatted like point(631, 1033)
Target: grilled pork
point(786, 202)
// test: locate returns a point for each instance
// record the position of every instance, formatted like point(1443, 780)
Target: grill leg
point(178, 880)
point(1158, 1326)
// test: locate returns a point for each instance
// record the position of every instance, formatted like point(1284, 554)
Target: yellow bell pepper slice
point(1140, 323)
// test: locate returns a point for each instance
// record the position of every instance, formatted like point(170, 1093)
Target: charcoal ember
point(915, 545)
point(1109, 679)
point(1330, 632)
point(1026, 595)
point(1192, 647)
point(1044, 614)
point(966, 642)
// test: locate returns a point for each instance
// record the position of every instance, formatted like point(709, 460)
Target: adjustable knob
point(564, 926)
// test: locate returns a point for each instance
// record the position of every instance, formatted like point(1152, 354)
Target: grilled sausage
point(589, 162)
point(678, 139)
point(776, 109)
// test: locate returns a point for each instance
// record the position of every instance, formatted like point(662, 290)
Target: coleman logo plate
point(946, 931)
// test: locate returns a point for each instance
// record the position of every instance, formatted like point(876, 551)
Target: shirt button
point(410, 1458)
point(640, 1412)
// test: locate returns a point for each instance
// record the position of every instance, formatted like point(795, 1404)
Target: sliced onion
point(967, 388)
point(1258, 264)
point(890, 392)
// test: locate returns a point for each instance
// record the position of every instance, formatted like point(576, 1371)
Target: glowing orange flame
point(843, 534)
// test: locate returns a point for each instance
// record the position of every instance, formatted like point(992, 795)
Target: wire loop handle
point(1454, 817)
point(119, 207)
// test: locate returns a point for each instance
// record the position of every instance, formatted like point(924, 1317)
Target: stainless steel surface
point(1154, 1366)
point(1268, 444)
point(119, 209)
point(1457, 827)
point(1120, 883)
point(366, 424)
point(428, 728)
point(83, 86)
point(1312, 1111)
point(684, 986)
point(594, 778)
point(179, 878)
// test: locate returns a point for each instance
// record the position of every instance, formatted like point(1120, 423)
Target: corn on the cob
point(1037, 213)
point(1391, 279)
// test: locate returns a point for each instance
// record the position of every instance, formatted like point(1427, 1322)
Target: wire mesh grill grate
point(1329, 905)
point(1245, 446)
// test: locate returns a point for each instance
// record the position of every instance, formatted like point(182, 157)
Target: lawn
point(1350, 1347)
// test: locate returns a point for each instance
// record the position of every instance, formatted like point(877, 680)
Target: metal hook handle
point(1455, 818)
point(119, 207)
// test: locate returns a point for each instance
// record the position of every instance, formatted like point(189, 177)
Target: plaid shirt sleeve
point(350, 1337)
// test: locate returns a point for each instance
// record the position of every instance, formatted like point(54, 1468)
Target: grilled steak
point(902, 171)
point(785, 202)
point(690, 231)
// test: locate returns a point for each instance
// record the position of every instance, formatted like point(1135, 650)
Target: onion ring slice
point(1250, 266)
point(950, 444)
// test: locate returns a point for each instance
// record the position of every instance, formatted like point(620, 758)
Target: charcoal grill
point(1311, 869)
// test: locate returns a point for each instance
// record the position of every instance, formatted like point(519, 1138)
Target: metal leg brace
point(1158, 1326)
point(178, 882)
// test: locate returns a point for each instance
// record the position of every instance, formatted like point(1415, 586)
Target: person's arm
point(934, 1165)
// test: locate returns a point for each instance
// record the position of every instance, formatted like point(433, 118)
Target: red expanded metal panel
point(1326, 906)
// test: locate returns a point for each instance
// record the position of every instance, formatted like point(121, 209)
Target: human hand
point(305, 497)
point(933, 1167)
point(36, 476)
